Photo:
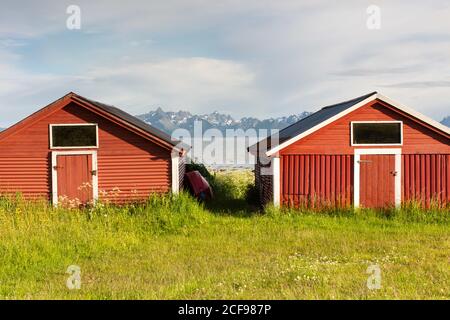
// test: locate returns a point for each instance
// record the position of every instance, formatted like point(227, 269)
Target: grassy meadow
point(175, 248)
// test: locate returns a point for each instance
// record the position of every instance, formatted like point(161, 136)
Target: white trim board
point(397, 152)
point(175, 171)
point(55, 155)
point(373, 97)
point(276, 181)
point(72, 125)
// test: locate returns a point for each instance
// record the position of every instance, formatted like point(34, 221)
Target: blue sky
point(246, 58)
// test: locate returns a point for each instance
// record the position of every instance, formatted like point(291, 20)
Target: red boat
point(198, 185)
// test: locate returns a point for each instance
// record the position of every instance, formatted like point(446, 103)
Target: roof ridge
point(351, 100)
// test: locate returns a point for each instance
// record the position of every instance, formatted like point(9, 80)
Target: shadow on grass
point(234, 193)
point(232, 207)
point(233, 199)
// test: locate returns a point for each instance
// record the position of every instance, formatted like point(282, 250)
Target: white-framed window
point(369, 133)
point(73, 136)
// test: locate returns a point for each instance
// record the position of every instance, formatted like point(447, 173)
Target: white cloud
point(182, 82)
point(260, 58)
point(195, 83)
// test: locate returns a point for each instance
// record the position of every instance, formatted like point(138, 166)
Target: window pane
point(376, 133)
point(74, 136)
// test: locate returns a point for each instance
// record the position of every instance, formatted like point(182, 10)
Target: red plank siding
point(316, 180)
point(425, 178)
point(28, 175)
point(126, 178)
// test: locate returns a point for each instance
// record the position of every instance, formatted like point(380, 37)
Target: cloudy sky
point(243, 57)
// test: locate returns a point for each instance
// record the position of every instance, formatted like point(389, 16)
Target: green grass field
point(175, 248)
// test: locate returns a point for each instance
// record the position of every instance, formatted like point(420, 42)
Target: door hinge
point(94, 172)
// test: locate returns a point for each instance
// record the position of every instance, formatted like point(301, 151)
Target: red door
point(75, 178)
point(377, 180)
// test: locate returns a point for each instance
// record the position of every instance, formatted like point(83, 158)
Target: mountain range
point(446, 121)
point(168, 121)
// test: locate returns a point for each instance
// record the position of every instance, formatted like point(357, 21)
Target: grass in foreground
point(175, 248)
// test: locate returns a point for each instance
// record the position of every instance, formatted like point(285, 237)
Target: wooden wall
point(127, 163)
point(426, 178)
point(309, 180)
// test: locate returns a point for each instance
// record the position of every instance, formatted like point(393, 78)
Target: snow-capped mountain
point(169, 121)
point(446, 121)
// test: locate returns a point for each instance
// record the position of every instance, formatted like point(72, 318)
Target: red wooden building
point(76, 149)
point(369, 151)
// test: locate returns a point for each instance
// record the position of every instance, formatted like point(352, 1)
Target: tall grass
point(158, 214)
point(38, 242)
point(233, 194)
point(171, 246)
point(409, 212)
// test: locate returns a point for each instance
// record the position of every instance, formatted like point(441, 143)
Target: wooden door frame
point(397, 152)
point(55, 155)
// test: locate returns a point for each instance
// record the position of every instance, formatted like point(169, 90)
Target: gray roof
point(132, 120)
point(316, 118)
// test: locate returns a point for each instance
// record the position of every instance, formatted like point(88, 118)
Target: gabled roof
point(318, 117)
point(331, 113)
point(113, 113)
point(130, 119)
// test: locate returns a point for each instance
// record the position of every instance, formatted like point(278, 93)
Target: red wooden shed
point(369, 151)
point(79, 150)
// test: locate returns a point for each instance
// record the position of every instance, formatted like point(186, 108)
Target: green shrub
point(200, 168)
point(251, 194)
point(232, 184)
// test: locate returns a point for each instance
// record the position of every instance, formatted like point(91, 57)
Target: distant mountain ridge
point(446, 121)
point(169, 121)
